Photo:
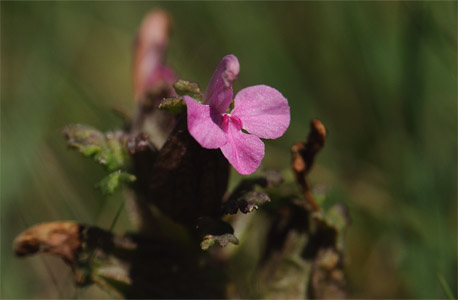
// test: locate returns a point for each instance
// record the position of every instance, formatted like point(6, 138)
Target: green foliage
point(173, 105)
point(182, 88)
point(112, 181)
point(186, 88)
point(106, 149)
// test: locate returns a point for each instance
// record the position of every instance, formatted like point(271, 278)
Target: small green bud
point(186, 88)
point(173, 105)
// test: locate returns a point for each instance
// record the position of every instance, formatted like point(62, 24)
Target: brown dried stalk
point(303, 156)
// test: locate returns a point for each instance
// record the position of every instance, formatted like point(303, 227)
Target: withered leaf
point(218, 240)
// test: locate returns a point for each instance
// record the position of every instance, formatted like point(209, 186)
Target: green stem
point(118, 213)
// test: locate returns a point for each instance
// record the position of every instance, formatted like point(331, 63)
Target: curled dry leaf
point(58, 238)
point(220, 240)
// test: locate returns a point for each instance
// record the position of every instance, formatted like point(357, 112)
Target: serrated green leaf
point(186, 88)
point(106, 149)
point(218, 240)
point(173, 105)
point(111, 182)
point(86, 139)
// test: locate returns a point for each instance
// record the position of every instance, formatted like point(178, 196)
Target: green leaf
point(106, 149)
point(220, 240)
point(186, 88)
point(111, 182)
point(173, 105)
point(115, 153)
point(86, 139)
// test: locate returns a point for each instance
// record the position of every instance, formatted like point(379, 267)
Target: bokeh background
point(382, 77)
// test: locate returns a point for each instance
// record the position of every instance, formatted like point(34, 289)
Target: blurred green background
point(381, 76)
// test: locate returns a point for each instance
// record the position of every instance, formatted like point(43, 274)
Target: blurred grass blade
point(445, 288)
point(116, 217)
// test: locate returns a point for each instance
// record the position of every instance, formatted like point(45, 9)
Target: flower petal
point(243, 151)
point(219, 91)
point(263, 111)
point(204, 124)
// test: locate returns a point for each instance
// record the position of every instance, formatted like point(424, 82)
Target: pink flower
point(260, 110)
